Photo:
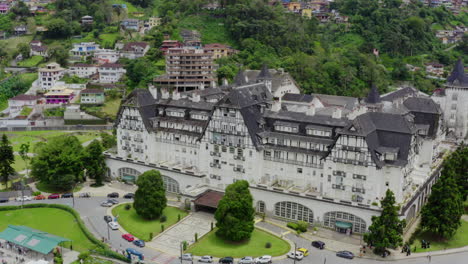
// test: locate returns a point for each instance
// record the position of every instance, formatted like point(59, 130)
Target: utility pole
point(181, 252)
point(108, 232)
point(295, 249)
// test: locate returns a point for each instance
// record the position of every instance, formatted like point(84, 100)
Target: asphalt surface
point(93, 215)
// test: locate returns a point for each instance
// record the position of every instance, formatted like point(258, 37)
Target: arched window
point(411, 213)
point(294, 211)
point(130, 174)
point(170, 184)
point(260, 207)
point(330, 218)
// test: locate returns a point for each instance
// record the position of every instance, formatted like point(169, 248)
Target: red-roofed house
point(17, 103)
point(38, 49)
point(134, 50)
point(110, 72)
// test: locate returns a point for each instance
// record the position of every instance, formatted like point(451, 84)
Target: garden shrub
point(128, 207)
point(302, 226)
point(267, 245)
point(292, 225)
point(163, 218)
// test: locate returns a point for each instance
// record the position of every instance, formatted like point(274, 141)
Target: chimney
point(195, 97)
point(154, 91)
point(276, 106)
point(311, 110)
point(337, 113)
point(175, 95)
point(164, 93)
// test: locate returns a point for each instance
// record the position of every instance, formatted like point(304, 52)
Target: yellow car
point(304, 251)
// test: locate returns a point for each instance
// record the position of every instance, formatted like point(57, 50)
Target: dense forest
point(330, 58)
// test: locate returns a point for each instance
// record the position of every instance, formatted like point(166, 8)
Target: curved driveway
point(92, 214)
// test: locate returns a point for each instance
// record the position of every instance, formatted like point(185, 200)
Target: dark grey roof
point(248, 95)
point(264, 73)
point(403, 92)
point(277, 76)
point(334, 100)
point(186, 104)
point(458, 76)
point(144, 101)
point(422, 105)
point(382, 131)
point(306, 119)
point(240, 78)
point(373, 97)
point(301, 98)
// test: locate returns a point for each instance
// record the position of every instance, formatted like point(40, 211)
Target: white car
point(187, 256)
point(246, 260)
point(106, 204)
point(263, 260)
point(296, 255)
point(206, 259)
point(24, 198)
point(113, 225)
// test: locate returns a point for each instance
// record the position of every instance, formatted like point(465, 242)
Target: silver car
point(106, 204)
point(246, 260)
point(187, 256)
point(206, 259)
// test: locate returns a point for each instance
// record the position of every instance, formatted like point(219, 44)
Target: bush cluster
point(300, 226)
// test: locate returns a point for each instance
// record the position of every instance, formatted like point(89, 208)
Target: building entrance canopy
point(344, 225)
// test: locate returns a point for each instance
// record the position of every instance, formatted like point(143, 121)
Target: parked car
point(23, 198)
point(113, 225)
point(345, 254)
point(84, 195)
point(246, 260)
point(128, 237)
point(295, 255)
point(263, 260)
point(129, 196)
point(40, 197)
point(226, 260)
point(53, 196)
point(206, 259)
point(139, 243)
point(304, 251)
point(113, 195)
point(106, 204)
point(187, 256)
point(108, 218)
point(318, 244)
point(4, 200)
point(67, 195)
point(113, 201)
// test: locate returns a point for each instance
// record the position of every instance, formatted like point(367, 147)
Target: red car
point(54, 196)
point(128, 237)
point(39, 197)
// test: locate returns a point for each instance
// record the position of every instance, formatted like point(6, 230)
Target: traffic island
point(260, 243)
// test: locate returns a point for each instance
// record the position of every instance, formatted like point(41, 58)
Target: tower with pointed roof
point(265, 77)
point(240, 78)
point(452, 101)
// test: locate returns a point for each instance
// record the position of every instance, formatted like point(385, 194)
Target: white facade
point(83, 70)
point(110, 73)
point(300, 165)
point(106, 56)
point(49, 75)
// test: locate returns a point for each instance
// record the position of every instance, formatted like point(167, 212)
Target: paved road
point(92, 214)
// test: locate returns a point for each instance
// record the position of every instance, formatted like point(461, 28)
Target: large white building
point(452, 99)
point(318, 158)
point(49, 75)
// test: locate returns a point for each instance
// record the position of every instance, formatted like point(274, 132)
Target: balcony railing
point(295, 162)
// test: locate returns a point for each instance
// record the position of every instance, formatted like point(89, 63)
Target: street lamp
point(181, 253)
point(295, 249)
point(108, 232)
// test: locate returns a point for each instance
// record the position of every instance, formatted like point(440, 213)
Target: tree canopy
point(6, 159)
point(58, 163)
point(235, 213)
point(386, 230)
point(94, 162)
point(150, 197)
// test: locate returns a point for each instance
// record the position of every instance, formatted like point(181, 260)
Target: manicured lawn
point(55, 221)
point(212, 245)
point(460, 239)
point(212, 30)
point(19, 164)
point(31, 62)
point(28, 78)
point(142, 228)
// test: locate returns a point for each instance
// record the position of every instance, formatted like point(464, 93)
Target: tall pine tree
point(6, 159)
point(441, 215)
point(386, 230)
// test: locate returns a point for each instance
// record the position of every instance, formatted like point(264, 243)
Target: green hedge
point(300, 226)
point(101, 247)
point(86, 122)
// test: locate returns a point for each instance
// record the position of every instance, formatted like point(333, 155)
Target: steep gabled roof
point(373, 97)
point(264, 73)
point(458, 76)
point(240, 78)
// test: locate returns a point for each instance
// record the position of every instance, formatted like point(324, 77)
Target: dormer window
point(352, 128)
point(390, 156)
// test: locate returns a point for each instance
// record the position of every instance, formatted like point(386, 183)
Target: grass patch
point(142, 228)
point(19, 164)
point(212, 29)
point(11, 44)
point(26, 111)
point(460, 239)
point(47, 188)
point(57, 111)
point(31, 62)
point(55, 221)
point(111, 107)
point(212, 245)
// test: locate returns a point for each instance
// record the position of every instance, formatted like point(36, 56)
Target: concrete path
point(169, 241)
